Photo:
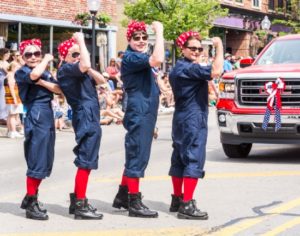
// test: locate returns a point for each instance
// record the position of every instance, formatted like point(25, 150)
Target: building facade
point(239, 29)
point(53, 21)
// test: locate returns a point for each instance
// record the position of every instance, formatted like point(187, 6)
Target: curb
point(3, 130)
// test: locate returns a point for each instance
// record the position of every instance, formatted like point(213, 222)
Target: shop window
point(271, 5)
point(256, 3)
point(289, 6)
point(41, 32)
point(12, 36)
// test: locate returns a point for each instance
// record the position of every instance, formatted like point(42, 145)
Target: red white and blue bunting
point(274, 89)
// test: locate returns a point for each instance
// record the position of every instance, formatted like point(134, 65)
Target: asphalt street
point(259, 195)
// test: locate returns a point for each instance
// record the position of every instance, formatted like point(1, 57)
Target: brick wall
point(53, 9)
point(239, 41)
point(247, 4)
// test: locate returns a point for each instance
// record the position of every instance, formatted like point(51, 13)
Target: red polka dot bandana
point(180, 41)
point(135, 26)
point(29, 42)
point(64, 47)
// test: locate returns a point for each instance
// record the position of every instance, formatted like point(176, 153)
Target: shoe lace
point(195, 206)
point(139, 202)
point(90, 207)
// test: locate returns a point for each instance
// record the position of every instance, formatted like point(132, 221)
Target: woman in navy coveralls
point(140, 114)
point(189, 81)
point(78, 80)
point(36, 87)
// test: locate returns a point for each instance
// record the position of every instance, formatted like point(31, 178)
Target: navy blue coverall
point(80, 91)
point(189, 82)
point(39, 123)
point(141, 110)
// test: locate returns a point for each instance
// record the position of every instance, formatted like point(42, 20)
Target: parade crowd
point(130, 92)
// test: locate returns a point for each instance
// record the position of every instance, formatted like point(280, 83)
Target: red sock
point(133, 185)
point(81, 181)
point(189, 188)
point(177, 185)
point(124, 180)
point(32, 185)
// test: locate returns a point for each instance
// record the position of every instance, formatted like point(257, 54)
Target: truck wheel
point(237, 151)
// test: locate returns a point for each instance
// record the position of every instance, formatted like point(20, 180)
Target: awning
point(50, 22)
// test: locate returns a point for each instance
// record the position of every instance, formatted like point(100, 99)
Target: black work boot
point(176, 200)
point(188, 210)
point(25, 204)
point(33, 210)
point(84, 211)
point(136, 208)
point(72, 204)
point(121, 199)
point(25, 200)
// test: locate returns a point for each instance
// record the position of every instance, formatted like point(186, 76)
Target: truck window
point(281, 52)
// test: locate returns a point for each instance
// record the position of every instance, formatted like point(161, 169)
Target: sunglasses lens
point(28, 55)
point(194, 49)
point(37, 54)
point(75, 54)
point(138, 38)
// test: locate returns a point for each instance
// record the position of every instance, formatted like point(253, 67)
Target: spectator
point(166, 94)
point(58, 113)
point(227, 65)
point(108, 106)
point(114, 73)
point(235, 61)
point(13, 102)
point(4, 57)
point(111, 86)
point(119, 59)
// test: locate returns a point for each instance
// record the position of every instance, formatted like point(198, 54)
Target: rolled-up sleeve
point(23, 76)
point(136, 62)
point(197, 71)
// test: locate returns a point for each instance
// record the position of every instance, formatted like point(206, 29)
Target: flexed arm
point(217, 66)
point(50, 86)
point(40, 68)
point(99, 79)
point(158, 56)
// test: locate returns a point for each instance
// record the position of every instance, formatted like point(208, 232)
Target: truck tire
point(237, 151)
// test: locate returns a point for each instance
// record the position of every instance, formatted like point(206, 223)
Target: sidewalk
point(3, 130)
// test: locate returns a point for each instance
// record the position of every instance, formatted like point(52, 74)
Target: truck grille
point(251, 92)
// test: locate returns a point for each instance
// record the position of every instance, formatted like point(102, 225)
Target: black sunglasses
point(75, 54)
point(28, 55)
point(194, 49)
point(138, 38)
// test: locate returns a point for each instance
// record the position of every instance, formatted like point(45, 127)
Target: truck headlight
point(226, 88)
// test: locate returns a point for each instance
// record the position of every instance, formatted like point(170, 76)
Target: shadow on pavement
point(12, 208)
point(105, 207)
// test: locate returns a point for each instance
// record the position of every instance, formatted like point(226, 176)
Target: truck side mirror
point(246, 62)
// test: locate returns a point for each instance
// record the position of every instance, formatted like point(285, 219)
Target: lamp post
point(265, 23)
point(93, 6)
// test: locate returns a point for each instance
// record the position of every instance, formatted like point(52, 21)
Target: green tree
point(177, 16)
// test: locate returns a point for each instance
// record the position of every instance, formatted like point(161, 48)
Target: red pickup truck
point(243, 99)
